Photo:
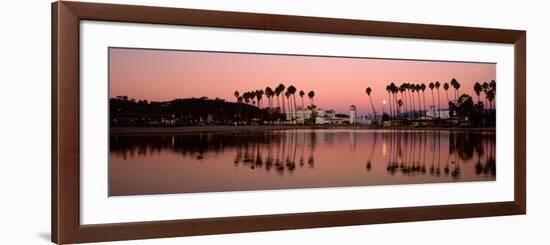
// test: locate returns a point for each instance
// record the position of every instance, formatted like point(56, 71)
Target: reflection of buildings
point(321, 116)
point(408, 153)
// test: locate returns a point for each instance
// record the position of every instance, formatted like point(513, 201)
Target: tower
point(352, 114)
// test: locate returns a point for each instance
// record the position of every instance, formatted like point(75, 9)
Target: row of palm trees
point(255, 98)
point(408, 96)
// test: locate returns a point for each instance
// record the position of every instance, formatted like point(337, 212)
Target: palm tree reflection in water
point(329, 157)
point(409, 152)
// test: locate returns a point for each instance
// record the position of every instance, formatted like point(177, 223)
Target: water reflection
point(308, 158)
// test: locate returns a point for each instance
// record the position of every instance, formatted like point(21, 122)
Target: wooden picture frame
point(66, 225)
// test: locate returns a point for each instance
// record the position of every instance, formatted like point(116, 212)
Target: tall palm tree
point(394, 91)
point(369, 91)
point(417, 87)
point(491, 97)
point(311, 94)
point(277, 93)
point(403, 97)
point(446, 87)
point(259, 97)
point(236, 94)
point(411, 94)
point(280, 89)
point(269, 95)
point(485, 88)
point(432, 86)
point(456, 86)
point(388, 89)
point(399, 104)
point(302, 96)
point(292, 90)
point(437, 84)
point(423, 88)
point(287, 95)
point(477, 89)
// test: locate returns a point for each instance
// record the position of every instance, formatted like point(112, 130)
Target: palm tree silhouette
point(437, 84)
point(278, 91)
point(369, 91)
point(423, 88)
point(388, 89)
point(259, 97)
point(446, 87)
point(393, 89)
point(417, 87)
point(302, 96)
point(269, 95)
point(403, 97)
point(491, 97)
point(456, 86)
point(289, 109)
point(311, 94)
point(292, 90)
point(477, 90)
point(485, 88)
point(399, 104)
point(432, 86)
point(409, 88)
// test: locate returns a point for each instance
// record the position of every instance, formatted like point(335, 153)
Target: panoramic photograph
point(204, 121)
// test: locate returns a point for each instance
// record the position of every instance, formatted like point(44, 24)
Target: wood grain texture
point(66, 17)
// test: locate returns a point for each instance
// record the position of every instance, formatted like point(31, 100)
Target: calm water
point(230, 161)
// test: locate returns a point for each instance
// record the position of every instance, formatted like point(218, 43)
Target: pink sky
point(161, 75)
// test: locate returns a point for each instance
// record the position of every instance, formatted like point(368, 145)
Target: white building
point(352, 114)
point(433, 113)
point(328, 116)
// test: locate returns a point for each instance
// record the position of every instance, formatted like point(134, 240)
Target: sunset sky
point(158, 75)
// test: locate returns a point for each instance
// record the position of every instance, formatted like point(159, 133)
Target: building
point(352, 114)
point(433, 113)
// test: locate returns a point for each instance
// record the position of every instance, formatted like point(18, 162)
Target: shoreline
point(224, 128)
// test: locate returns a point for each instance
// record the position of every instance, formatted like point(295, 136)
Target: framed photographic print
point(177, 122)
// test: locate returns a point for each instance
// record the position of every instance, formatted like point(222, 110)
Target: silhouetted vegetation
point(186, 112)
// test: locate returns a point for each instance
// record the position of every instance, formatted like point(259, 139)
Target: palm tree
point(252, 96)
point(485, 88)
point(292, 90)
point(399, 104)
point(239, 101)
point(236, 94)
point(302, 96)
point(446, 87)
point(491, 97)
point(456, 86)
point(388, 89)
point(280, 89)
point(477, 90)
point(417, 87)
point(369, 91)
point(311, 94)
point(411, 94)
point(259, 97)
point(394, 91)
point(269, 95)
point(437, 84)
point(423, 88)
point(432, 86)
point(403, 97)
point(287, 95)
point(412, 107)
